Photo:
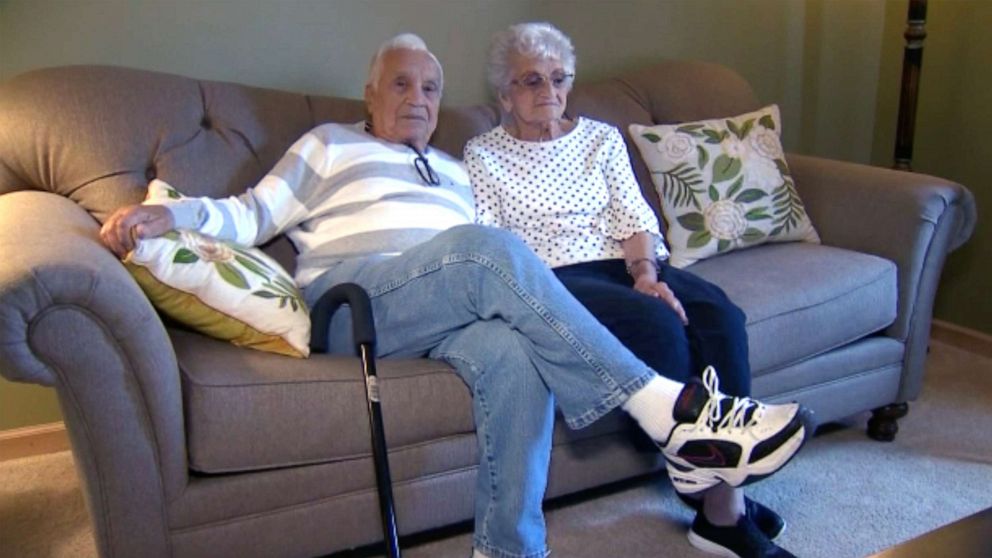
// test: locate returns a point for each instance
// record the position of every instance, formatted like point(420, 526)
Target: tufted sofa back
point(98, 134)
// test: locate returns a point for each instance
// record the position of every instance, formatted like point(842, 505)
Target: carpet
point(844, 496)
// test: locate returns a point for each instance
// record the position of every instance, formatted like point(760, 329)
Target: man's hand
point(653, 287)
point(128, 224)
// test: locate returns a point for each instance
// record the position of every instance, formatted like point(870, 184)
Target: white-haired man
point(374, 204)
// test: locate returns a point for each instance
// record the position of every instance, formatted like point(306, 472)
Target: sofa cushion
point(804, 299)
point(247, 410)
point(723, 184)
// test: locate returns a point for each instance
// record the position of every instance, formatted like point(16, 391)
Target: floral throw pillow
point(723, 184)
point(218, 288)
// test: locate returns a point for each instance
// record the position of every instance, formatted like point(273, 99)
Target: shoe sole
point(773, 536)
point(791, 448)
point(689, 479)
point(807, 430)
point(693, 479)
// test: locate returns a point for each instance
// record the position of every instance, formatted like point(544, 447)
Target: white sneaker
point(736, 440)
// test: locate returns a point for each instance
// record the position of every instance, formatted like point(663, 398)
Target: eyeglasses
point(536, 82)
point(424, 168)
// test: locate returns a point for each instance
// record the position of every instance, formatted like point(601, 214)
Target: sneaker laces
point(718, 415)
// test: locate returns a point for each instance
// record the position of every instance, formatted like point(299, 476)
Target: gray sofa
point(189, 446)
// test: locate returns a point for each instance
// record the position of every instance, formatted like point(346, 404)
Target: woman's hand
point(128, 224)
point(639, 253)
point(652, 287)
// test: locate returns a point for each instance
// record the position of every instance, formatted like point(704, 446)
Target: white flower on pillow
point(765, 142)
point(734, 148)
point(206, 248)
point(677, 147)
point(761, 173)
point(725, 219)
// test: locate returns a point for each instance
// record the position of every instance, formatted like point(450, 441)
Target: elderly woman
point(565, 186)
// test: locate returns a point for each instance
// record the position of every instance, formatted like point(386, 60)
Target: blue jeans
point(479, 299)
point(648, 326)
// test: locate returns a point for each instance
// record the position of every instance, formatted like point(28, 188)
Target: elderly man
point(375, 205)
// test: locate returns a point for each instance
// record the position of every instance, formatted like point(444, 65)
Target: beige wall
point(763, 40)
point(821, 60)
point(319, 46)
point(322, 46)
point(840, 67)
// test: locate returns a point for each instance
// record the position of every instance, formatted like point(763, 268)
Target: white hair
point(537, 40)
point(403, 41)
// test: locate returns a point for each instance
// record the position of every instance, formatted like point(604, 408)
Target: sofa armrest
point(73, 318)
point(909, 218)
point(863, 207)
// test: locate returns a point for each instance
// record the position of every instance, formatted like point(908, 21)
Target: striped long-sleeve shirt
point(338, 193)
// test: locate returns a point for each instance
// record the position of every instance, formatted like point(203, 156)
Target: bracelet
point(633, 264)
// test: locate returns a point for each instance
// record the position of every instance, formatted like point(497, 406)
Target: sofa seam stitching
point(845, 379)
point(877, 279)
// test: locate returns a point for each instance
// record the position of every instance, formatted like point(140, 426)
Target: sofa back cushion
point(668, 92)
point(99, 134)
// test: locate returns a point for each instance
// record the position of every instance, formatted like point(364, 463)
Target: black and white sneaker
point(736, 440)
point(743, 540)
point(765, 519)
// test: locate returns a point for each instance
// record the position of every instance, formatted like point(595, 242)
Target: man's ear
point(368, 98)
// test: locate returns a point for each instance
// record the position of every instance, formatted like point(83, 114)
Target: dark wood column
point(911, 62)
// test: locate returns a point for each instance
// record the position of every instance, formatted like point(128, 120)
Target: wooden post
point(911, 62)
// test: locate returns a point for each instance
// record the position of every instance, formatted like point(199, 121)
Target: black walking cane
point(363, 330)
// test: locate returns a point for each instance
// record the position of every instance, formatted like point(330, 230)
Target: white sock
point(477, 554)
point(652, 406)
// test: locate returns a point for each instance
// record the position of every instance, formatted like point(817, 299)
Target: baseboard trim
point(33, 440)
point(962, 337)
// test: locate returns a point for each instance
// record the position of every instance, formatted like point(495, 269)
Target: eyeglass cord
point(423, 166)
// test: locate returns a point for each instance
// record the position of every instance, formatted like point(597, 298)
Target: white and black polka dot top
point(572, 200)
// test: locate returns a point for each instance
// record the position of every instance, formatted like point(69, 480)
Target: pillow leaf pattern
point(681, 184)
point(724, 184)
point(219, 288)
point(227, 258)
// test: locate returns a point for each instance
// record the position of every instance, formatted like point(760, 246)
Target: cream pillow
point(218, 288)
point(723, 184)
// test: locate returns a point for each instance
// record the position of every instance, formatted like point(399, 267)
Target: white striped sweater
point(338, 193)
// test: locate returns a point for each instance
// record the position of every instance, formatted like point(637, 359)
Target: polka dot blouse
point(572, 200)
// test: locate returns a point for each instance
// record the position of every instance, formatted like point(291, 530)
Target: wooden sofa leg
point(883, 424)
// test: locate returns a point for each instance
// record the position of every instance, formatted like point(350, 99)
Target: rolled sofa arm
point(909, 218)
point(72, 317)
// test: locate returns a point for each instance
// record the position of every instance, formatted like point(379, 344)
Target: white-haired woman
point(565, 186)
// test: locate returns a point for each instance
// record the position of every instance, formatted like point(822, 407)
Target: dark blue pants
point(652, 331)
